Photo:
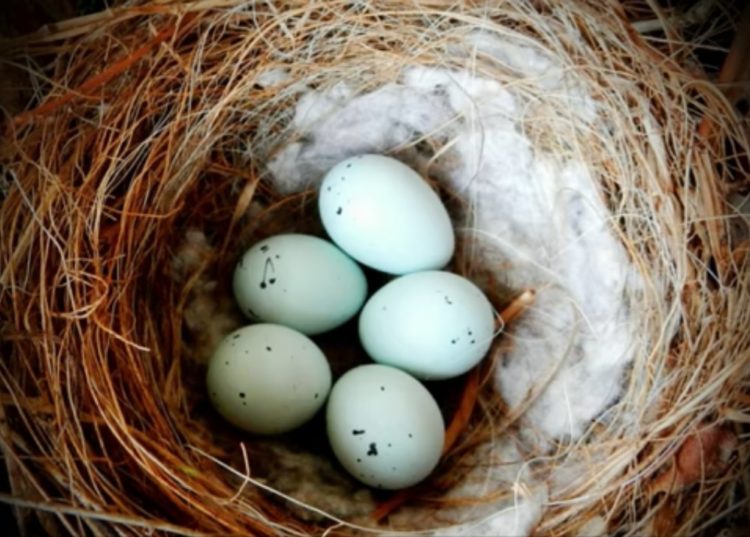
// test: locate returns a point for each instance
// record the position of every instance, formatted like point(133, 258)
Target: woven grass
point(149, 121)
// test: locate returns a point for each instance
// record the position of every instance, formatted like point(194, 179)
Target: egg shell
point(384, 427)
point(268, 379)
point(433, 324)
point(300, 281)
point(384, 215)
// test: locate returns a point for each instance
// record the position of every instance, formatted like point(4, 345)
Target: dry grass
point(143, 122)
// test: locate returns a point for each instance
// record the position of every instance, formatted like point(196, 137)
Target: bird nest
point(163, 138)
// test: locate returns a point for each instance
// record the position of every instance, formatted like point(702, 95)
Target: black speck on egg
point(339, 210)
point(268, 349)
point(226, 363)
point(373, 450)
point(473, 341)
point(349, 165)
point(242, 395)
point(382, 388)
point(411, 435)
point(317, 395)
point(357, 432)
point(236, 336)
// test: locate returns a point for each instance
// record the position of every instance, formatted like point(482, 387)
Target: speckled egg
point(268, 379)
point(384, 427)
point(433, 324)
point(300, 281)
point(384, 215)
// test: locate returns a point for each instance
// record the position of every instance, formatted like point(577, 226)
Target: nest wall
point(139, 173)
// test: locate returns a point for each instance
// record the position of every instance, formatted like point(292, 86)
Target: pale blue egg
point(299, 281)
point(384, 427)
point(432, 324)
point(384, 215)
point(268, 379)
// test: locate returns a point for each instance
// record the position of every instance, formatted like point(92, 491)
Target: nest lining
point(171, 129)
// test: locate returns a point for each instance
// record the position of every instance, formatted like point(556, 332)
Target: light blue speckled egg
point(384, 427)
point(384, 215)
point(432, 324)
point(299, 281)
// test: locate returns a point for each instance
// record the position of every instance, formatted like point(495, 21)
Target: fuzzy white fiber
point(509, 471)
point(511, 518)
point(536, 215)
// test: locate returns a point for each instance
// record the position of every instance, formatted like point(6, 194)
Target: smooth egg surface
point(384, 215)
point(384, 427)
point(268, 379)
point(300, 281)
point(433, 324)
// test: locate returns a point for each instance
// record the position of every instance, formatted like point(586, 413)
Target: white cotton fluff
point(274, 76)
point(536, 215)
point(508, 471)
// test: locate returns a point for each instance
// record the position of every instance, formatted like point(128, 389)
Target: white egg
point(268, 379)
point(384, 215)
point(299, 281)
point(384, 427)
point(433, 324)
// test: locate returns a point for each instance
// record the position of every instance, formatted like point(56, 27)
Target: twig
point(736, 64)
